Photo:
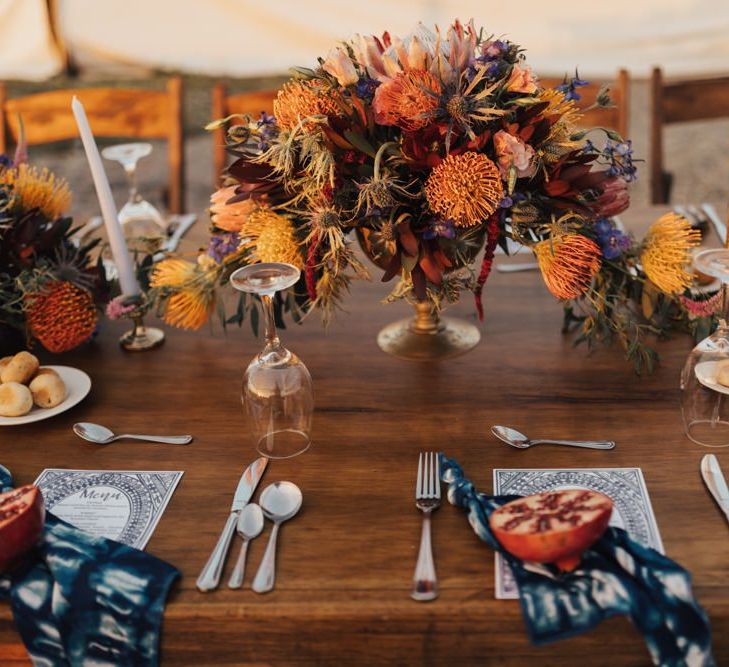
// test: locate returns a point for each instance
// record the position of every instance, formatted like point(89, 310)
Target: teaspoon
point(512, 437)
point(101, 435)
point(280, 502)
point(250, 525)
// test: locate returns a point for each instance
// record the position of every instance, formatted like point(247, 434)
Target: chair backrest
point(678, 102)
point(616, 117)
point(252, 102)
point(112, 112)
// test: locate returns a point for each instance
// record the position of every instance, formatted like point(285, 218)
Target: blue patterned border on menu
point(147, 494)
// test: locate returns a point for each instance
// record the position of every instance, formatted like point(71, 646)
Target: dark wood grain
point(345, 563)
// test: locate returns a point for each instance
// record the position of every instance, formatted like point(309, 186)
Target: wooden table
point(346, 561)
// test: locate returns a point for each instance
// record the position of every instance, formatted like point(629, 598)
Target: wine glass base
point(708, 433)
point(451, 338)
point(283, 444)
point(140, 339)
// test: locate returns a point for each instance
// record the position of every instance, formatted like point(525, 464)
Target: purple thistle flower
point(267, 130)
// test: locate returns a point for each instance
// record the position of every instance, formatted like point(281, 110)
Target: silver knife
point(715, 482)
point(210, 576)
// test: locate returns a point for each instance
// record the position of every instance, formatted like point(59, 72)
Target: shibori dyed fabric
point(617, 576)
point(83, 600)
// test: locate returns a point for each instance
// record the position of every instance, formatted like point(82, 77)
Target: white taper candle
point(125, 269)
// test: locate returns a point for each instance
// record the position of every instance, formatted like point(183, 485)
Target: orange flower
point(299, 100)
point(667, 252)
point(464, 188)
point(230, 217)
point(408, 100)
point(521, 80)
point(568, 263)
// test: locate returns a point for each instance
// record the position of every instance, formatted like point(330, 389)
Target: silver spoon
point(103, 436)
point(280, 502)
point(250, 525)
point(512, 437)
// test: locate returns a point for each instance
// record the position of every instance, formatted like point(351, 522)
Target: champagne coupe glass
point(137, 217)
point(277, 393)
point(704, 400)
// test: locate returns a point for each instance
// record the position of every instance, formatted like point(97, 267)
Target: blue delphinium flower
point(5, 161)
point(493, 55)
point(222, 245)
point(619, 156)
point(569, 87)
point(436, 228)
point(612, 241)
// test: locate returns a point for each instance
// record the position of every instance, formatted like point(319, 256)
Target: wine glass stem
point(131, 170)
point(272, 340)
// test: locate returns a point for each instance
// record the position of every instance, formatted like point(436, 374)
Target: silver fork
point(427, 500)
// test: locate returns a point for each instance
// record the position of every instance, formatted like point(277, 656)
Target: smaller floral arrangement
point(50, 288)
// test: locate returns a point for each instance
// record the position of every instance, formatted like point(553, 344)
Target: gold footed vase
point(428, 336)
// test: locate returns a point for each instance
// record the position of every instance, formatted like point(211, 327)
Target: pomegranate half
point(21, 522)
point(552, 527)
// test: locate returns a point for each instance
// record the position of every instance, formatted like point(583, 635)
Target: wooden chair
point(616, 117)
point(252, 102)
point(678, 102)
point(112, 112)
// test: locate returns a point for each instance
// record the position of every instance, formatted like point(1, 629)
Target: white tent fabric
point(254, 38)
point(27, 50)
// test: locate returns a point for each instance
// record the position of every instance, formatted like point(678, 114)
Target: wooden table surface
point(346, 561)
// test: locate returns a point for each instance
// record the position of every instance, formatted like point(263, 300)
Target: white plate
point(706, 375)
point(78, 384)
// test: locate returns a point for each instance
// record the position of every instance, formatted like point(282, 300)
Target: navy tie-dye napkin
point(82, 600)
point(617, 575)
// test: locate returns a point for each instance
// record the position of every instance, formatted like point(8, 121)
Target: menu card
point(632, 508)
point(121, 505)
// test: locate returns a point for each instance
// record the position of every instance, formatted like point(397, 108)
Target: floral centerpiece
point(431, 150)
point(50, 288)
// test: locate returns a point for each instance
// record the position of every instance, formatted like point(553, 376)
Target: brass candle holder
point(141, 338)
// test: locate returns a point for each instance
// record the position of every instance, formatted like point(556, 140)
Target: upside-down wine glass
point(277, 393)
point(137, 217)
point(704, 401)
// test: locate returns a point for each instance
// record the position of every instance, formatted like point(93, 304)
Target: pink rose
point(513, 152)
point(614, 198)
point(521, 80)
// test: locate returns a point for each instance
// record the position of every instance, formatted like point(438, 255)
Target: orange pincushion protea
point(298, 100)
point(61, 316)
point(464, 188)
point(408, 100)
point(568, 263)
